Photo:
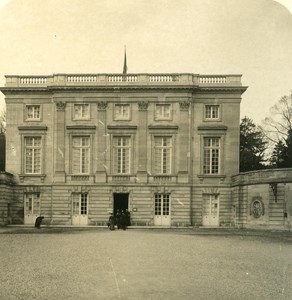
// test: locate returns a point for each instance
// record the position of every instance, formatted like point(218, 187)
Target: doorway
point(31, 207)
point(121, 202)
point(210, 210)
point(162, 210)
point(80, 209)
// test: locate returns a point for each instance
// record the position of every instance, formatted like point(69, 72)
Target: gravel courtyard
point(53, 263)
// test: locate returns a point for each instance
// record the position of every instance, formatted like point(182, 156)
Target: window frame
point(115, 160)
point(24, 151)
point(219, 157)
point(33, 119)
point(81, 147)
point(162, 147)
point(162, 117)
point(122, 117)
point(82, 118)
point(206, 118)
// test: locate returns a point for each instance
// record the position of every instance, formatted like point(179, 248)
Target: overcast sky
point(250, 37)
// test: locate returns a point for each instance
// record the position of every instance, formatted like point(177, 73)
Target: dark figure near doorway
point(123, 220)
point(128, 217)
point(38, 222)
point(118, 219)
point(111, 222)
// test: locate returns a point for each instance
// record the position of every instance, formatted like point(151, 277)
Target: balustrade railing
point(112, 79)
point(212, 79)
point(83, 78)
point(33, 80)
point(161, 78)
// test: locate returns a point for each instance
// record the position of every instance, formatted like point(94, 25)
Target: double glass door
point(80, 209)
point(162, 210)
point(31, 207)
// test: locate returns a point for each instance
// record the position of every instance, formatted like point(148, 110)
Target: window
point(163, 112)
point(211, 155)
point(32, 112)
point(122, 112)
point(212, 112)
point(32, 155)
point(81, 112)
point(162, 149)
point(122, 150)
point(81, 155)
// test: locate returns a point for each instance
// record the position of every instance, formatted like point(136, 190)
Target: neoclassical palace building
point(163, 146)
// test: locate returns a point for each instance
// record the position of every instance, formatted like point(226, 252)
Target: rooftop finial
point(125, 68)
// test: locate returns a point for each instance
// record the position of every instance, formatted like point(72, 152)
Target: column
point(103, 141)
point(142, 143)
point(59, 147)
point(184, 142)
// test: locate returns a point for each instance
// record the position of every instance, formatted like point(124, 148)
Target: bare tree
point(278, 130)
point(277, 126)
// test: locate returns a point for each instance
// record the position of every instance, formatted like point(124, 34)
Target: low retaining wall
point(263, 199)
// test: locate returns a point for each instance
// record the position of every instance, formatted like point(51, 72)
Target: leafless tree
point(277, 126)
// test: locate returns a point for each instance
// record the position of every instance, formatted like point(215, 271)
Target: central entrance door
point(211, 210)
point(121, 202)
point(80, 209)
point(162, 210)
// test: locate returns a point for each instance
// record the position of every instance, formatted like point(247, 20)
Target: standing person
point(111, 222)
point(38, 222)
point(128, 217)
point(118, 219)
point(123, 220)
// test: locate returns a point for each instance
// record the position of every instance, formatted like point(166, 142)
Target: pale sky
point(250, 37)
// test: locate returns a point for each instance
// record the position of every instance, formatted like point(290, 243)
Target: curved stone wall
point(263, 199)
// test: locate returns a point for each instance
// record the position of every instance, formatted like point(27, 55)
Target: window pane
point(211, 155)
point(122, 150)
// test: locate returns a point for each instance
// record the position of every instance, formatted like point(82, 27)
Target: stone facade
point(164, 146)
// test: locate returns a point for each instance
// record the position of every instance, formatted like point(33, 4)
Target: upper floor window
point(81, 111)
point(32, 155)
point(122, 112)
point(163, 112)
point(211, 155)
point(163, 152)
point(81, 155)
point(212, 112)
point(32, 112)
point(122, 152)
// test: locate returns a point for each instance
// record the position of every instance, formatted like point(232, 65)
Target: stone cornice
point(33, 127)
point(80, 127)
point(163, 127)
point(213, 127)
point(122, 127)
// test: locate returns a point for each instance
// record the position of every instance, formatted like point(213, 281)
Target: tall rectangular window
point(122, 151)
point(163, 149)
point(81, 112)
point(122, 112)
point(211, 155)
point(81, 155)
point(32, 112)
point(212, 112)
point(163, 112)
point(32, 155)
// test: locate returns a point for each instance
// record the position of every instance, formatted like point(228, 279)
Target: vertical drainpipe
point(190, 160)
